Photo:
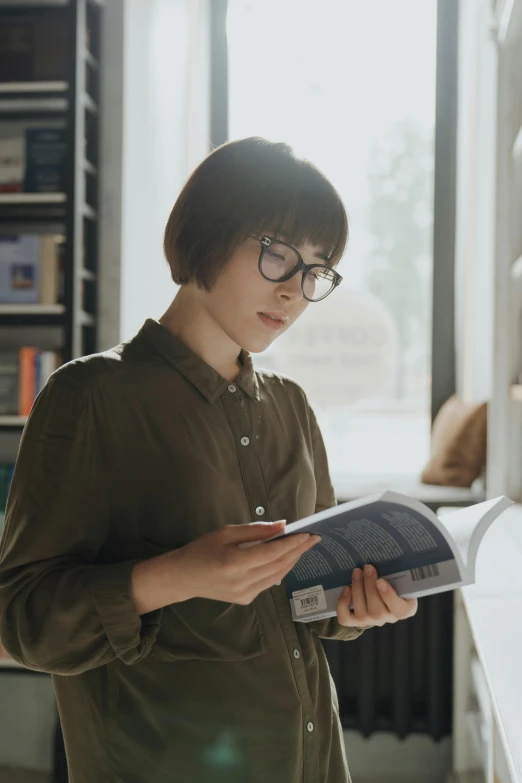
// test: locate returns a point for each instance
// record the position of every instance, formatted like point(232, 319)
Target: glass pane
point(318, 283)
point(278, 261)
point(351, 86)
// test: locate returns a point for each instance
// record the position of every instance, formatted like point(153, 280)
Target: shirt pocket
point(208, 630)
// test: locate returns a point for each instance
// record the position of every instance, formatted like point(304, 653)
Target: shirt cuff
point(130, 635)
point(331, 628)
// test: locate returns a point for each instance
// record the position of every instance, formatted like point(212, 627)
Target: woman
point(142, 469)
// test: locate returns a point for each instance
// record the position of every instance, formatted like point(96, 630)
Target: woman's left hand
point(372, 606)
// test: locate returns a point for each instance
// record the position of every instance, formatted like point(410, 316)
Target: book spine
point(61, 273)
point(48, 366)
point(12, 164)
point(49, 282)
point(19, 269)
point(37, 373)
point(45, 158)
point(27, 380)
point(9, 382)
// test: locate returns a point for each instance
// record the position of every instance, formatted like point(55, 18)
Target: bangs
point(303, 208)
point(250, 187)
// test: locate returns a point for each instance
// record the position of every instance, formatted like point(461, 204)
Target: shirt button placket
point(245, 442)
point(256, 491)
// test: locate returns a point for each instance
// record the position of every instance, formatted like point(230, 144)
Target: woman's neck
point(188, 320)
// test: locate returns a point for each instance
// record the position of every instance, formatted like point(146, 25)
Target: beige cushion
point(458, 444)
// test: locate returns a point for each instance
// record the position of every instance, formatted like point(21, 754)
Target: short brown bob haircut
point(245, 187)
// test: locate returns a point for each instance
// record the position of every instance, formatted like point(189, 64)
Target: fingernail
point(382, 585)
point(357, 573)
point(368, 570)
point(346, 592)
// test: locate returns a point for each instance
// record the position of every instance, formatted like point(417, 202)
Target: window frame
point(443, 352)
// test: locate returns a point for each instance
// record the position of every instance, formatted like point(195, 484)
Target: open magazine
point(417, 552)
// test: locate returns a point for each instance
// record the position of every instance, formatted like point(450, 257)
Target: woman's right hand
point(214, 566)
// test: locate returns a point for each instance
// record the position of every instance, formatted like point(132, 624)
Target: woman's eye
point(275, 255)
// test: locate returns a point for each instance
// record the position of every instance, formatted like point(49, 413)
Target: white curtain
point(165, 135)
point(475, 219)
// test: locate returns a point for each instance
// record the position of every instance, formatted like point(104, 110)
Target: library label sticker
point(309, 600)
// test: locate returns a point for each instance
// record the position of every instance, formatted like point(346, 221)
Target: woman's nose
point(292, 287)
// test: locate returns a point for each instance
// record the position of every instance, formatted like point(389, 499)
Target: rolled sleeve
point(130, 635)
point(331, 628)
point(64, 606)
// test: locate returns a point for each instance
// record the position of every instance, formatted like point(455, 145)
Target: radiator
point(398, 678)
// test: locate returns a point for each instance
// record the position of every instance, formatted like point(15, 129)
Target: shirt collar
point(204, 377)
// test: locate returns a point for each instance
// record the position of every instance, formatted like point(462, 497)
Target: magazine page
point(467, 527)
point(404, 541)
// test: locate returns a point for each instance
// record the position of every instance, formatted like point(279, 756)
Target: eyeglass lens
point(279, 260)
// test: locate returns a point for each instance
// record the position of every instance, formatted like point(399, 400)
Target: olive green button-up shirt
point(130, 453)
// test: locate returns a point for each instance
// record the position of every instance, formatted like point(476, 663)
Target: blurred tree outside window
point(351, 86)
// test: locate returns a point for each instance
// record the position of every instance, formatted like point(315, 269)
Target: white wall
point(476, 173)
point(165, 134)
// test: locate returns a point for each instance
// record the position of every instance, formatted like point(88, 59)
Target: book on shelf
point(6, 474)
point(23, 374)
point(12, 164)
point(33, 162)
point(34, 48)
point(31, 269)
point(416, 551)
point(44, 160)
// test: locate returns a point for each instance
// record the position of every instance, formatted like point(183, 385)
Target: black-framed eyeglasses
point(279, 261)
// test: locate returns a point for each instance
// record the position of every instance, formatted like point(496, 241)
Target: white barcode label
point(425, 572)
point(309, 600)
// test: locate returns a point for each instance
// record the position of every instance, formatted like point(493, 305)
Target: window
point(351, 86)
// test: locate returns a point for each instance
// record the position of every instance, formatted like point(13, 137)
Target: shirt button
point(297, 654)
point(245, 441)
point(310, 726)
point(260, 510)
point(278, 583)
point(232, 388)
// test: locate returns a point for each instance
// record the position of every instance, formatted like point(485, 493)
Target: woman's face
point(241, 293)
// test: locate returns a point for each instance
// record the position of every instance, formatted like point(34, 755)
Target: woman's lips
point(275, 325)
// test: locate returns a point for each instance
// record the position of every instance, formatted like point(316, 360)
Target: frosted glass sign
point(341, 350)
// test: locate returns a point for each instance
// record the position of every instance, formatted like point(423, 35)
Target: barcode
point(311, 599)
point(424, 573)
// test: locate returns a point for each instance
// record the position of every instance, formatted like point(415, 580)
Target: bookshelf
point(71, 102)
point(32, 198)
point(68, 98)
point(12, 421)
